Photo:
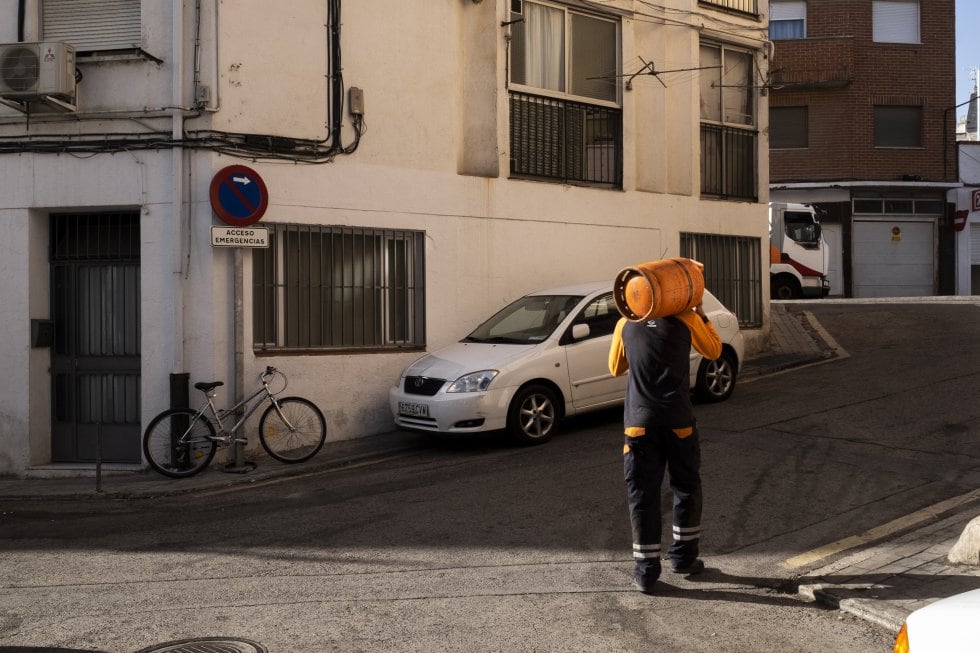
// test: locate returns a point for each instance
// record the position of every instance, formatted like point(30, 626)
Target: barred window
point(566, 122)
point(338, 288)
point(729, 140)
point(744, 6)
point(732, 271)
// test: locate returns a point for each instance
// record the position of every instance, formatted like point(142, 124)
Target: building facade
point(862, 125)
point(388, 173)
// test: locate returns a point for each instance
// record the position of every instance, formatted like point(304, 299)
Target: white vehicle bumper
point(463, 412)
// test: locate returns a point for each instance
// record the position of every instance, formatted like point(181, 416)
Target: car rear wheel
point(534, 415)
point(716, 379)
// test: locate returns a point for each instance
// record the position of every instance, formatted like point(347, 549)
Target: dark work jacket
point(657, 355)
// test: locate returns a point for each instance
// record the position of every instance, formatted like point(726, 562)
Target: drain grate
point(207, 645)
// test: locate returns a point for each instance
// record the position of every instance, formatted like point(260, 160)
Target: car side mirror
point(580, 331)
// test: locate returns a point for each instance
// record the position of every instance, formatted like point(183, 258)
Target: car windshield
point(527, 321)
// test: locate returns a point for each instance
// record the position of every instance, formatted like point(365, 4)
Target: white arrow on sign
point(245, 181)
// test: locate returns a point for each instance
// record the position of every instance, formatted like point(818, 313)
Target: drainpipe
point(21, 12)
point(177, 169)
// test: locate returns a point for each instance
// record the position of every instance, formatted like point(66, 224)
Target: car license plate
point(413, 410)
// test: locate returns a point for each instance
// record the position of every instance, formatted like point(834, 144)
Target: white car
point(946, 626)
point(538, 360)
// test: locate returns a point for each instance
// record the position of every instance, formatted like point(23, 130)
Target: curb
point(880, 613)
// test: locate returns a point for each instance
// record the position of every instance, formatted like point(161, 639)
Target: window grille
point(338, 288)
point(728, 162)
point(732, 271)
point(744, 6)
point(564, 140)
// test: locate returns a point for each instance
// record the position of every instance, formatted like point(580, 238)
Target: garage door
point(894, 258)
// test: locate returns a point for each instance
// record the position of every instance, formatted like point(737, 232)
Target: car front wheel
point(716, 379)
point(534, 414)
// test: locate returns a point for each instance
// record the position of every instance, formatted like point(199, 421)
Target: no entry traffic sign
point(238, 196)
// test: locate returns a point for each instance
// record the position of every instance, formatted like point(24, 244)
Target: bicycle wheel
point(178, 445)
point(299, 437)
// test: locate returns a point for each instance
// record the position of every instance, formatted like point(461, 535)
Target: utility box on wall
point(42, 333)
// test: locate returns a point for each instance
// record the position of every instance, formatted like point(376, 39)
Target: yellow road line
point(879, 532)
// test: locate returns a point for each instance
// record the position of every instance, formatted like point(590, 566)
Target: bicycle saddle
point(204, 387)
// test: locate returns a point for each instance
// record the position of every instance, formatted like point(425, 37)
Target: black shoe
point(646, 589)
point(690, 569)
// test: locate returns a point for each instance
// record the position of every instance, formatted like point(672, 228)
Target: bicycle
point(180, 442)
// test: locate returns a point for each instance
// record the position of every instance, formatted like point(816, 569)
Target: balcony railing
point(745, 6)
point(566, 141)
point(728, 162)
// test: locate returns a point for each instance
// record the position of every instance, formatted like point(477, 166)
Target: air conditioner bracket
point(25, 107)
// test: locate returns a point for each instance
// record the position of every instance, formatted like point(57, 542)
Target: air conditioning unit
point(36, 71)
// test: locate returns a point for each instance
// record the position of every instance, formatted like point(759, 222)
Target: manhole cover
point(207, 645)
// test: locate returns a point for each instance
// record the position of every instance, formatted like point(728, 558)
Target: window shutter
point(896, 21)
point(92, 25)
point(794, 10)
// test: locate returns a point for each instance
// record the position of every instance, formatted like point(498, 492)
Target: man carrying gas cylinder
point(663, 318)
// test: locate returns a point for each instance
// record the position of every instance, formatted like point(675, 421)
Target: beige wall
point(434, 158)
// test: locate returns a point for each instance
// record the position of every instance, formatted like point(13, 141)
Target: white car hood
point(454, 361)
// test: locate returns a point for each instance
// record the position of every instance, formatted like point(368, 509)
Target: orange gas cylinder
point(659, 288)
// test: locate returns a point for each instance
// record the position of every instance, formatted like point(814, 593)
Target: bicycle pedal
point(241, 440)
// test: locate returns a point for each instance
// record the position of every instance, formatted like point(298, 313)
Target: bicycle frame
point(221, 414)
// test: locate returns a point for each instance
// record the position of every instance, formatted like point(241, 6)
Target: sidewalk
point(881, 581)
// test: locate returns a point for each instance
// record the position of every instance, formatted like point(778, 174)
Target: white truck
point(798, 255)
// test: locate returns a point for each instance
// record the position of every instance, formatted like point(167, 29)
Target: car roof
point(586, 288)
point(590, 287)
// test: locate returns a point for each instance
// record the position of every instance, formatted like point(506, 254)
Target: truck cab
point(798, 255)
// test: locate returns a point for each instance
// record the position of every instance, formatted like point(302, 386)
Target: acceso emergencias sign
point(239, 236)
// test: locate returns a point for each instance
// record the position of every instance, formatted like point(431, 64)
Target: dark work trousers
point(645, 459)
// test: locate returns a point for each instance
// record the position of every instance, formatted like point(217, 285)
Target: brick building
point(862, 126)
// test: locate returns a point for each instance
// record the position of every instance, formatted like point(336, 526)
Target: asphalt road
point(476, 546)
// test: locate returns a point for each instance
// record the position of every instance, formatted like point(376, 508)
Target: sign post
point(239, 198)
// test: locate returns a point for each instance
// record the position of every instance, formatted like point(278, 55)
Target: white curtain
point(545, 60)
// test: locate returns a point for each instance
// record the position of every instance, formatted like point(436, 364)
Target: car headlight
point(473, 382)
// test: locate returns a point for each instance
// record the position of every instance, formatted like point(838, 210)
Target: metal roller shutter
point(92, 25)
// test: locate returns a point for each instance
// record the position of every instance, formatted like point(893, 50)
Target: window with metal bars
point(744, 6)
point(566, 141)
point(732, 271)
point(565, 115)
point(338, 288)
point(729, 140)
